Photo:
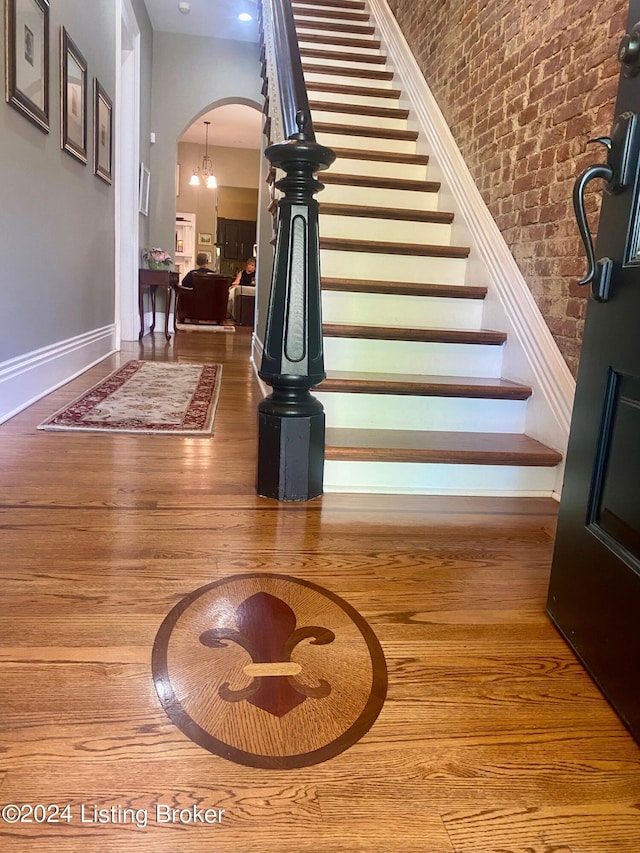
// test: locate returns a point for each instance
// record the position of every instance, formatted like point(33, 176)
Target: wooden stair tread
point(418, 250)
point(338, 14)
point(363, 91)
point(337, 71)
point(381, 156)
point(440, 447)
point(375, 58)
point(405, 288)
point(402, 333)
point(334, 26)
point(379, 182)
point(337, 4)
point(359, 109)
point(366, 211)
point(373, 132)
point(337, 41)
point(424, 386)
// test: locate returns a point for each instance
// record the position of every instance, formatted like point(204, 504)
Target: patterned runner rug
point(147, 397)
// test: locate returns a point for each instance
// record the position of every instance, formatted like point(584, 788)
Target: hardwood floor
point(492, 738)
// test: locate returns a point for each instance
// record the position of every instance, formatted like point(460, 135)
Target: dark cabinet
point(236, 238)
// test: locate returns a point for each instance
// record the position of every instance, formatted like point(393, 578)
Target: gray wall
point(191, 74)
point(56, 217)
point(146, 59)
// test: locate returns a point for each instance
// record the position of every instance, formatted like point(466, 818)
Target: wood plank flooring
point(492, 739)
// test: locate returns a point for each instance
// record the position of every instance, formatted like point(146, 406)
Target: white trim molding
point(29, 377)
point(531, 354)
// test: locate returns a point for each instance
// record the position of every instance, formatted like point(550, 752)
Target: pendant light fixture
point(206, 171)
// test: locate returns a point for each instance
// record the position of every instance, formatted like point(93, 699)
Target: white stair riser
point(321, 77)
point(381, 169)
point(434, 479)
point(373, 356)
point(321, 9)
point(376, 266)
point(390, 230)
point(379, 197)
point(327, 32)
point(349, 98)
point(349, 119)
point(420, 312)
point(328, 16)
point(342, 63)
point(376, 411)
point(340, 48)
point(365, 143)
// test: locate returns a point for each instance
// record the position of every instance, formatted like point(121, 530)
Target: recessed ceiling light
point(244, 16)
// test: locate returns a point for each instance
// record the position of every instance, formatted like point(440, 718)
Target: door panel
point(594, 592)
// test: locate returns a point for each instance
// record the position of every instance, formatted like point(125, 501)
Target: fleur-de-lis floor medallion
point(269, 671)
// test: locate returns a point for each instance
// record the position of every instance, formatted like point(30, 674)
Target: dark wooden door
point(594, 593)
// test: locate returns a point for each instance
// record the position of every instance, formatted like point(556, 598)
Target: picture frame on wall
point(143, 190)
point(27, 59)
point(205, 239)
point(209, 256)
point(73, 98)
point(102, 133)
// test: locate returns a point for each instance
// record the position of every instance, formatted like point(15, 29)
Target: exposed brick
point(536, 80)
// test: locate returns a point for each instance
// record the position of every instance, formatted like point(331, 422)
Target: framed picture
point(27, 59)
point(205, 240)
point(103, 133)
point(209, 256)
point(73, 98)
point(143, 190)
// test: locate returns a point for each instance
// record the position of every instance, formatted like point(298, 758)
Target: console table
point(151, 280)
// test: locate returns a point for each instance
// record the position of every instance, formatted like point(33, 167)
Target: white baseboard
point(28, 377)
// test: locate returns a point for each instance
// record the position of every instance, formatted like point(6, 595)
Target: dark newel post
point(290, 419)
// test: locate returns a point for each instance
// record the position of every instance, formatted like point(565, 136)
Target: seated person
point(244, 282)
point(202, 260)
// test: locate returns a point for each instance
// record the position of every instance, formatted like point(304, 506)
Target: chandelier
point(205, 172)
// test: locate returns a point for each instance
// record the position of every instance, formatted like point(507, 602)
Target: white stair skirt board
point(374, 356)
point(365, 143)
point(432, 479)
point(418, 312)
point(379, 197)
point(323, 77)
point(362, 120)
point(390, 411)
point(27, 378)
point(384, 230)
point(379, 168)
point(376, 266)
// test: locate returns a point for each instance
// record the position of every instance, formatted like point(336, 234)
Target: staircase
point(414, 397)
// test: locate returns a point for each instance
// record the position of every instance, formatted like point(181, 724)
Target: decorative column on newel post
point(290, 420)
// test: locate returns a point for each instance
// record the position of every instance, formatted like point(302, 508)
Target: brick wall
point(523, 85)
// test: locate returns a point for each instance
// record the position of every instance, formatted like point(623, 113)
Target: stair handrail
point(294, 101)
point(291, 422)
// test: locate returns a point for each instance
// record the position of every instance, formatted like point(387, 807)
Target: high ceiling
point(233, 125)
point(211, 18)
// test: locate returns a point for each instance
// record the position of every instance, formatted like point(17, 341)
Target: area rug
point(146, 397)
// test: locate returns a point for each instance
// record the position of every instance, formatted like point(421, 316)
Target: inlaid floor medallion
point(269, 671)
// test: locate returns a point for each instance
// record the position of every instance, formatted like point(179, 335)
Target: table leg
point(141, 311)
point(167, 309)
point(152, 291)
